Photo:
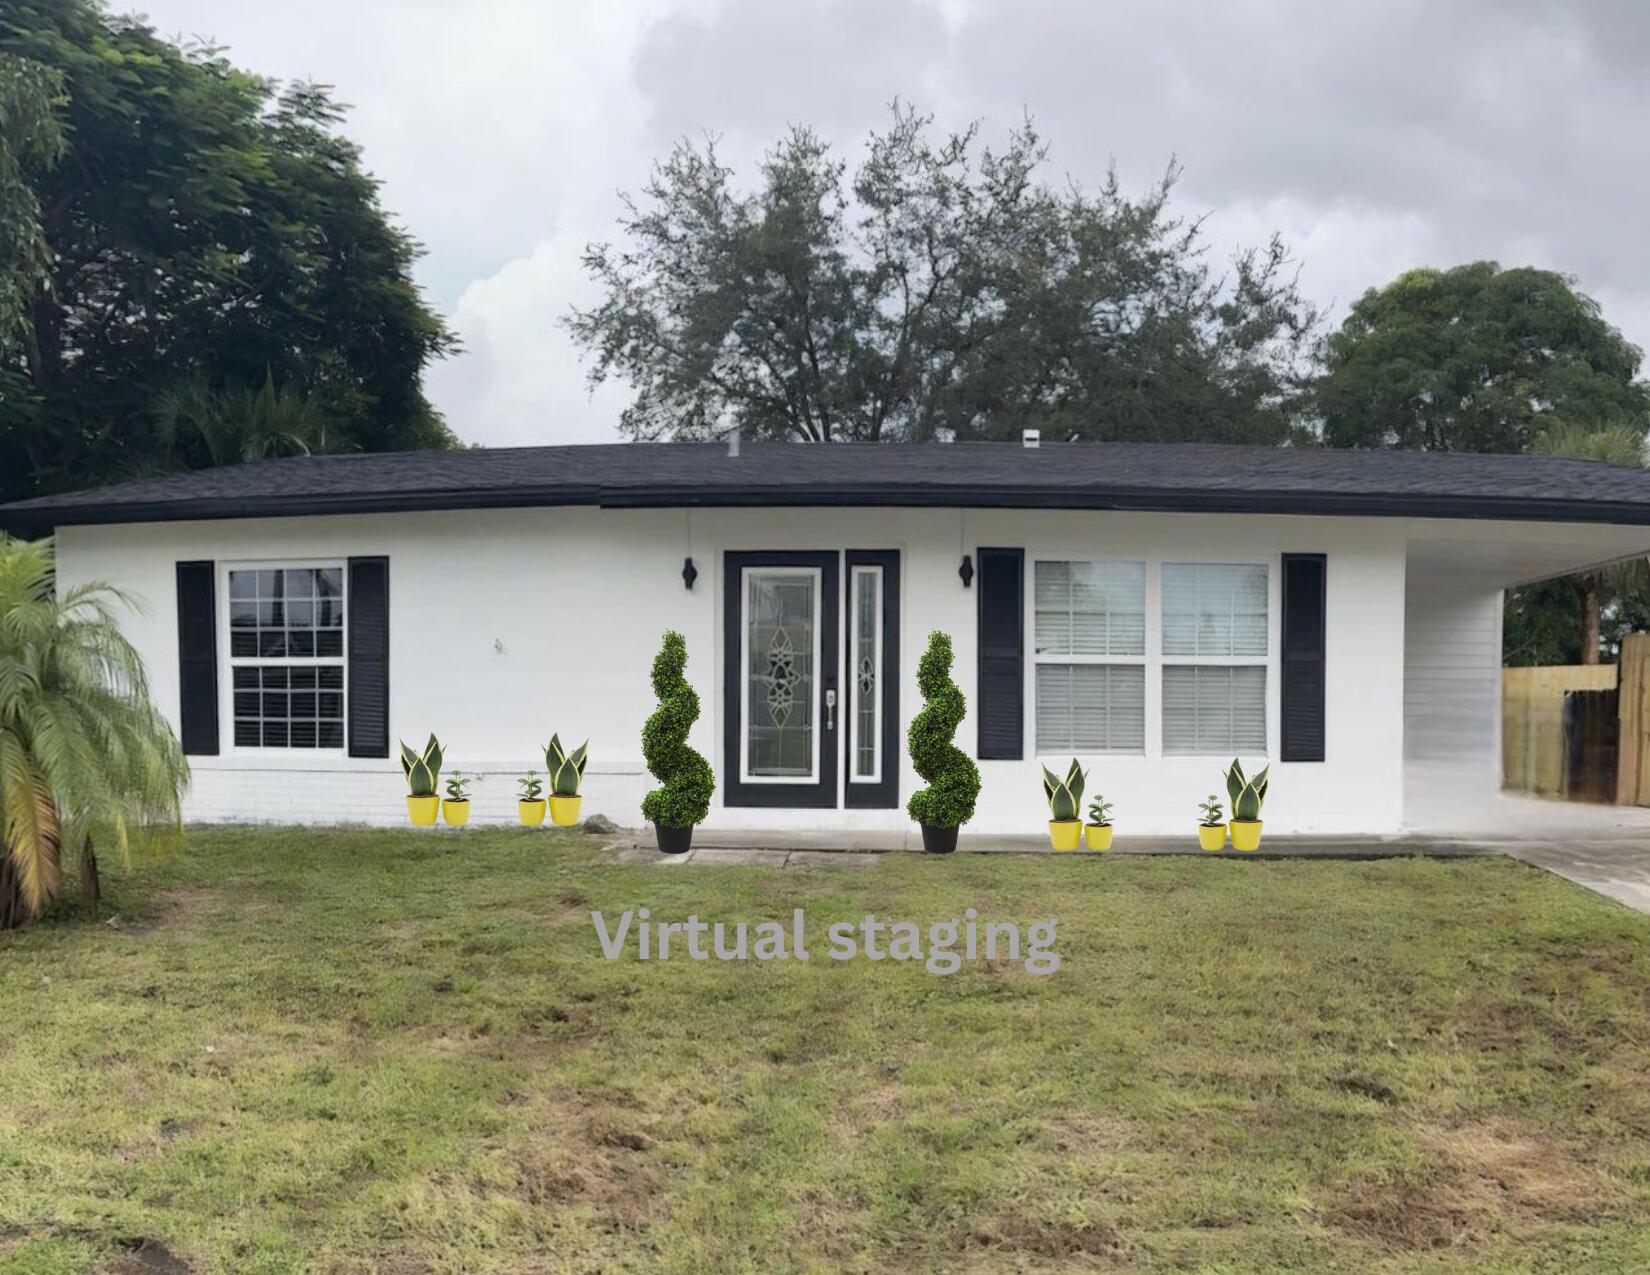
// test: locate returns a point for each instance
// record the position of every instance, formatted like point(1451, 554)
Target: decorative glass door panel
point(781, 624)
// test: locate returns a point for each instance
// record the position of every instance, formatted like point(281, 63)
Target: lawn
point(283, 1050)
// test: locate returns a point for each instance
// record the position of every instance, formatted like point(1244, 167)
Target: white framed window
point(865, 663)
point(1216, 640)
point(286, 626)
point(1089, 644)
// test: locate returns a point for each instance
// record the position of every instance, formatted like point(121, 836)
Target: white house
point(1155, 610)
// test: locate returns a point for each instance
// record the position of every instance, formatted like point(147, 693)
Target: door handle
point(830, 709)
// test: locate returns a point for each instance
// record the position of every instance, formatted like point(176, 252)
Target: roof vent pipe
point(1031, 437)
point(733, 441)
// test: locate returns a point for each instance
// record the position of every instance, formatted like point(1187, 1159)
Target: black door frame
point(822, 793)
point(884, 794)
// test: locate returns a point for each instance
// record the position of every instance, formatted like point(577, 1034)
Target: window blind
point(1091, 708)
point(1090, 608)
point(1214, 708)
point(1214, 609)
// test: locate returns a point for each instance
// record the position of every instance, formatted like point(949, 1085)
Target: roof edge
point(1144, 500)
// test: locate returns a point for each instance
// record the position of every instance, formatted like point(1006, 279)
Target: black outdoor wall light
point(966, 572)
point(690, 573)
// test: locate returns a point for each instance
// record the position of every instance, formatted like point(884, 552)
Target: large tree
point(201, 222)
point(1477, 359)
point(940, 285)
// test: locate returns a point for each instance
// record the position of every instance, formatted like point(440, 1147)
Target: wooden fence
point(1633, 746)
point(1533, 725)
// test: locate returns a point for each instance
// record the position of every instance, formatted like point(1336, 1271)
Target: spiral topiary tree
point(685, 777)
point(953, 779)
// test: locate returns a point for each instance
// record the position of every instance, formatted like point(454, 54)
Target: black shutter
point(1001, 690)
point(198, 658)
point(368, 619)
point(1305, 577)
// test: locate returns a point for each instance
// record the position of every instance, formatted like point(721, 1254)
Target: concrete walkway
point(1615, 866)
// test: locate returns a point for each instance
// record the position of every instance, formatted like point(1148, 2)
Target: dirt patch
point(1485, 1179)
point(623, 1188)
point(1366, 1088)
point(194, 909)
point(1061, 1239)
point(147, 1257)
point(1090, 1132)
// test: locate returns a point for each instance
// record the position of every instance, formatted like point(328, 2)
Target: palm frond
point(84, 753)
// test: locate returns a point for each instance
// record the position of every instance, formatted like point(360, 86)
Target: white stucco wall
point(508, 625)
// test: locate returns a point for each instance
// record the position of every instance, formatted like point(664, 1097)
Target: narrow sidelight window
point(866, 670)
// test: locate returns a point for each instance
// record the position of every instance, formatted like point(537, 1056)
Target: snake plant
point(1065, 796)
point(566, 769)
point(422, 770)
point(1247, 794)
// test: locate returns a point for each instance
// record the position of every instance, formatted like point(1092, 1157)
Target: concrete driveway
point(1618, 869)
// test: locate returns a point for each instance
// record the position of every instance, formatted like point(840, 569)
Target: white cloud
point(519, 381)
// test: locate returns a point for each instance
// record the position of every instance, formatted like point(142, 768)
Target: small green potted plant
point(530, 801)
point(1247, 796)
point(422, 772)
point(686, 781)
point(1211, 826)
point(566, 774)
point(953, 779)
point(1097, 832)
point(1065, 806)
point(456, 808)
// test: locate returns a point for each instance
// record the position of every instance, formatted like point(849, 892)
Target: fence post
point(1632, 748)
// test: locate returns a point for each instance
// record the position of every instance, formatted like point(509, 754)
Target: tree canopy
point(198, 222)
point(940, 285)
point(1477, 359)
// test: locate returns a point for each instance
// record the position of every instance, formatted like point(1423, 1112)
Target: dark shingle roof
point(1153, 476)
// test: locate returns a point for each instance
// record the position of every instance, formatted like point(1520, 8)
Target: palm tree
point(84, 754)
point(238, 423)
point(1622, 445)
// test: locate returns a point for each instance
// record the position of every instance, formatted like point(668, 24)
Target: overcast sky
point(1375, 136)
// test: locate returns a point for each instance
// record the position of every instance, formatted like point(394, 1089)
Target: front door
point(791, 721)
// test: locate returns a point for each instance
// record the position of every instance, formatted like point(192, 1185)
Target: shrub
point(953, 779)
point(686, 779)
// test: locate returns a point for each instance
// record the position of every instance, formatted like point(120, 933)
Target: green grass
point(403, 1053)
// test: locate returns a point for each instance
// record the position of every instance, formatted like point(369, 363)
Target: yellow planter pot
point(564, 811)
point(423, 810)
point(532, 812)
point(1098, 835)
point(1211, 836)
point(457, 813)
point(1066, 834)
point(1246, 834)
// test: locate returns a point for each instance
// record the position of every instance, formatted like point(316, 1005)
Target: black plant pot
point(673, 840)
point(938, 840)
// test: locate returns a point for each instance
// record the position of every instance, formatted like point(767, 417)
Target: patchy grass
point(402, 1053)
